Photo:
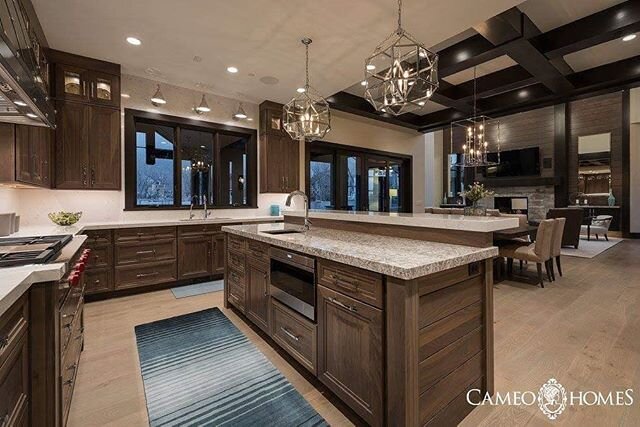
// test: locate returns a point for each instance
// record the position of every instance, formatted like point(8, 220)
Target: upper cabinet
point(25, 155)
point(87, 92)
point(279, 154)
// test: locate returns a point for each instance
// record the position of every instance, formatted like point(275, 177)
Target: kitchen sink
point(283, 231)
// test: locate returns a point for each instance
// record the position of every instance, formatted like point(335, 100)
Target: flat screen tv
point(525, 162)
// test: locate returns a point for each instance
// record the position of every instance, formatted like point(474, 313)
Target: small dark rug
point(200, 370)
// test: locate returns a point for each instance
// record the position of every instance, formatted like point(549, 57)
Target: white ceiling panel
point(605, 53)
point(496, 64)
point(550, 14)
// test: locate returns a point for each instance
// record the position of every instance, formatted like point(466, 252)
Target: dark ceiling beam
point(349, 103)
point(442, 98)
point(511, 32)
point(601, 27)
point(466, 54)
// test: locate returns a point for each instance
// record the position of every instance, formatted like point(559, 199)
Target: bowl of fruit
point(65, 218)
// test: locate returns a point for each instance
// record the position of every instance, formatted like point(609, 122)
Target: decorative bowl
point(65, 218)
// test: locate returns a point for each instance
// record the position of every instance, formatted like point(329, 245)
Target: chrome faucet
point(291, 195)
point(205, 214)
point(191, 214)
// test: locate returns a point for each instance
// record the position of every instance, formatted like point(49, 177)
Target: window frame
point(131, 117)
point(336, 150)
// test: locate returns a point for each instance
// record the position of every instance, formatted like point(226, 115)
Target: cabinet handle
point(153, 251)
point(266, 292)
point(289, 334)
point(141, 275)
point(343, 305)
point(84, 88)
point(92, 89)
point(84, 176)
point(93, 177)
point(4, 341)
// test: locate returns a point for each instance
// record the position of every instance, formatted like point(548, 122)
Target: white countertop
point(483, 224)
point(397, 257)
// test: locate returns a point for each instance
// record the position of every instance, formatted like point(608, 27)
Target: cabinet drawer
point(236, 261)
point(362, 285)
point(236, 283)
point(69, 366)
point(294, 334)
point(198, 230)
point(236, 243)
point(150, 251)
point(131, 276)
point(101, 256)
point(98, 237)
point(14, 384)
point(98, 280)
point(13, 324)
point(68, 316)
point(142, 234)
point(258, 250)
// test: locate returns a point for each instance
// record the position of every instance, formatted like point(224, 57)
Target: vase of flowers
point(475, 193)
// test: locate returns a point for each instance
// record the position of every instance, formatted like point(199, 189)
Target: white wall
point(634, 136)
point(349, 129)
point(103, 206)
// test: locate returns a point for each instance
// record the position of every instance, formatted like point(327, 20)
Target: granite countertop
point(53, 229)
point(17, 280)
point(482, 224)
point(397, 257)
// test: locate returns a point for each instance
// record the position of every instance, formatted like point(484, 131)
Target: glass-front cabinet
point(77, 84)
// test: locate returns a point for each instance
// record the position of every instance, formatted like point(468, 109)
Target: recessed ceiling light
point(371, 67)
point(232, 69)
point(20, 103)
point(363, 83)
point(421, 103)
point(134, 41)
point(125, 95)
point(31, 115)
point(301, 90)
point(628, 37)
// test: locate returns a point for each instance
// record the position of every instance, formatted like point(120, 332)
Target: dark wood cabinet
point(195, 258)
point(279, 154)
point(257, 288)
point(99, 269)
point(218, 253)
point(87, 93)
point(26, 156)
point(350, 352)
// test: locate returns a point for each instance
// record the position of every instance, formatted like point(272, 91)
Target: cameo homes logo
point(552, 398)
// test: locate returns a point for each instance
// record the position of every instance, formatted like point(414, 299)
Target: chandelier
point(307, 115)
point(478, 134)
point(401, 74)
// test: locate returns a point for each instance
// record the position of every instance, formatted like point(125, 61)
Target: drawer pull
point(343, 305)
point(289, 334)
point(143, 275)
point(152, 251)
point(4, 341)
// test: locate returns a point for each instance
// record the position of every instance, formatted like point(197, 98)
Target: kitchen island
point(400, 329)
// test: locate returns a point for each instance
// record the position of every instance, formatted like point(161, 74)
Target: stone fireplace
point(539, 199)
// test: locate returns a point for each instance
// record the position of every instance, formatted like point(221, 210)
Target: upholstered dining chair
point(538, 252)
point(558, 231)
point(600, 225)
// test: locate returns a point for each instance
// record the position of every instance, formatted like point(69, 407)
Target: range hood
point(24, 70)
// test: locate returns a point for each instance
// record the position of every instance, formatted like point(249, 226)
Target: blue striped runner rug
point(200, 370)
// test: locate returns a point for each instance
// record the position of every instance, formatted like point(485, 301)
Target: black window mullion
point(217, 161)
point(177, 168)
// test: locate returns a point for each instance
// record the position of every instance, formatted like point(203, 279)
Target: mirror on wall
point(594, 164)
point(455, 178)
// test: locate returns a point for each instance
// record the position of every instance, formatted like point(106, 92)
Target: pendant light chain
point(306, 42)
point(399, 17)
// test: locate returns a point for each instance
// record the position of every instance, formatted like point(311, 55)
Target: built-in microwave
point(293, 281)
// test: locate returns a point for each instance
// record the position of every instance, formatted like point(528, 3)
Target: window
point(172, 163)
point(335, 179)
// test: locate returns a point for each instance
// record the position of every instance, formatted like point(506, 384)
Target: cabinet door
point(194, 257)
point(291, 165)
point(258, 293)
point(72, 83)
point(104, 148)
point(350, 360)
point(218, 253)
point(104, 89)
point(24, 163)
point(41, 142)
point(72, 146)
point(98, 280)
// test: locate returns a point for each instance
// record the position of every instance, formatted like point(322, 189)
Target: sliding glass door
point(356, 179)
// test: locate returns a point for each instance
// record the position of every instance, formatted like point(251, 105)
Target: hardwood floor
point(583, 330)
